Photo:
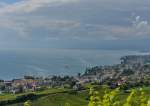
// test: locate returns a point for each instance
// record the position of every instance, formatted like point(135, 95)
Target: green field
point(56, 97)
point(78, 99)
point(8, 96)
point(61, 99)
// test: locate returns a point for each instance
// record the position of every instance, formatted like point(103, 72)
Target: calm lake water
point(15, 63)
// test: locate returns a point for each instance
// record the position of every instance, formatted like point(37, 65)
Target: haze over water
point(15, 63)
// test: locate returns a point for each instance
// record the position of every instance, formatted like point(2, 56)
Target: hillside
point(78, 99)
point(133, 68)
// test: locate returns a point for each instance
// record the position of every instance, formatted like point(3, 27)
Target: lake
point(15, 63)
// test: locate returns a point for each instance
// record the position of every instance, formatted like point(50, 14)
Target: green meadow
point(64, 97)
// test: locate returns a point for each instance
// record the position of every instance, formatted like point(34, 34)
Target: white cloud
point(31, 5)
point(138, 23)
point(14, 17)
point(23, 27)
point(27, 16)
point(138, 29)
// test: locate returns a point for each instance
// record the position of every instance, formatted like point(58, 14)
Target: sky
point(79, 24)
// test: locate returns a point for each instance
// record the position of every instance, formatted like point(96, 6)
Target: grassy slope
point(7, 96)
point(78, 99)
point(62, 99)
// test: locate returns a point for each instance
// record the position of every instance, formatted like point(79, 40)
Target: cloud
point(2, 4)
point(73, 20)
point(31, 5)
point(138, 23)
point(139, 28)
point(18, 18)
point(24, 27)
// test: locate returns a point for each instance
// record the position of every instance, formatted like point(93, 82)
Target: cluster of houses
point(132, 69)
point(101, 79)
point(22, 85)
point(29, 83)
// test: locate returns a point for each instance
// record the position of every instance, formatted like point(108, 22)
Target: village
point(133, 71)
point(30, 84)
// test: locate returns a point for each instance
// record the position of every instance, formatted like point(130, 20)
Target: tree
point(148, 103)
point(27, 103)
point(94, 98)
